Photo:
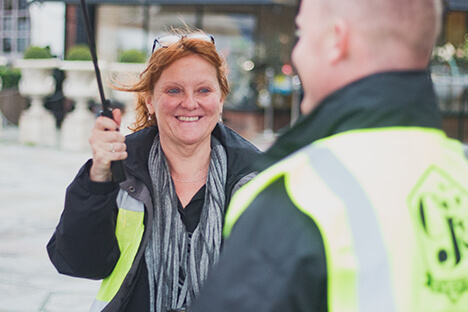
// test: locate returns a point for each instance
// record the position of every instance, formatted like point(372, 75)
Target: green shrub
point(79, 52)
point(10, 76)
point(132, 56)
point(37, 53)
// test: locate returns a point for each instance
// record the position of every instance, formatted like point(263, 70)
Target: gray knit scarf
point(178, 262)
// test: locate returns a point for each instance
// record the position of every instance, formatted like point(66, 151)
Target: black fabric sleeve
point(84, 242)
point(274, 260)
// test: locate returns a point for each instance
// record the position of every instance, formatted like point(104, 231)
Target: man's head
point(342, 41)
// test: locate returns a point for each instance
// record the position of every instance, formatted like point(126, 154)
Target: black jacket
point(274, 259)
point(84, 243)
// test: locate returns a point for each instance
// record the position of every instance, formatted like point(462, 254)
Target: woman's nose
point(189, 102)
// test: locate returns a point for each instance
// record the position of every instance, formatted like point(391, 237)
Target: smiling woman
point(193, 45)
point(156, 236)
point(186, 101)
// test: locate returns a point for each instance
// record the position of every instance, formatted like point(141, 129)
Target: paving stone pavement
point(32, 190)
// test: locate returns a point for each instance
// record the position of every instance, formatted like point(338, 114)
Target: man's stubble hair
point(415, 24)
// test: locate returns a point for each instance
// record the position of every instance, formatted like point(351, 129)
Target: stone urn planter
point(37, 125)
point(449, 90)
point(121, 72)
point(79, 86)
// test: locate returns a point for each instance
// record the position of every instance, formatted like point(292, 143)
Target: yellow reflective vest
point(392, 208)
point(129, 232)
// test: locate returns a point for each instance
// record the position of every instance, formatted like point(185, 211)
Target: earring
point(220, 118)
point(149, 116)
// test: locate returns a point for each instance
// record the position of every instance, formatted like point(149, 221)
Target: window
point(21, 44)
point(234, 35)
point(252, 39)
point(23, 24)
point(22, 4)
point(6, 45)
point(8, 5)
point(7, 23)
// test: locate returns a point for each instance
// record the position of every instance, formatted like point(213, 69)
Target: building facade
point(15, 28)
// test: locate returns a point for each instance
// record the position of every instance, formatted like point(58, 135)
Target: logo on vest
point(439, 211)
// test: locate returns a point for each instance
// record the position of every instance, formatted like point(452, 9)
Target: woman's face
point(186, 101)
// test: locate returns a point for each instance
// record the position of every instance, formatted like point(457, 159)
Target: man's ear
point(340, 42)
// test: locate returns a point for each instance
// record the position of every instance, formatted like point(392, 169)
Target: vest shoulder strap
point(245, 195)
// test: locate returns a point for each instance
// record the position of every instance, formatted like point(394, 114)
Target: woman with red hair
point(154, 237)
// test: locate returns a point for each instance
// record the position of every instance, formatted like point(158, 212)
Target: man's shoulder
point(274, 203)
point(275, 223)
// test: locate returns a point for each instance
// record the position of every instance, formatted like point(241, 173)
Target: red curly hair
point(162, 59)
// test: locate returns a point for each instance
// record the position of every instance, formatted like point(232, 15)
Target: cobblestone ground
point(32, 189)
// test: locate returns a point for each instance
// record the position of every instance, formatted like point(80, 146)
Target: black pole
point(117, 167)
point(92, 48)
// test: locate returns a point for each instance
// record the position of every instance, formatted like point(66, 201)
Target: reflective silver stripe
point(374, 284)
point(465, 148)
point(98, 306)
point(125, 201)
point(243, 181)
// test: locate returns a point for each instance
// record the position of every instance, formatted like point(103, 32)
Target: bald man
point(364, 204)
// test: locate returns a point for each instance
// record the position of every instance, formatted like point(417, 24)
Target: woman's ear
point(149, 104)
point(221, 106)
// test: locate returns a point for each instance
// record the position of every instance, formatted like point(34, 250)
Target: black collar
point(390, 99)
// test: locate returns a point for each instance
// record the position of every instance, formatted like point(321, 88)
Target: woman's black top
point(190, 215)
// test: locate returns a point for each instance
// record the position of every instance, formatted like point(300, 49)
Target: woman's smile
point(188, 119)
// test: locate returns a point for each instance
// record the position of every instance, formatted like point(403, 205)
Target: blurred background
point(49, 100)
point(255, 36)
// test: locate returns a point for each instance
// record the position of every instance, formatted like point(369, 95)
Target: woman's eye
point(173, 91)
point(205, 90)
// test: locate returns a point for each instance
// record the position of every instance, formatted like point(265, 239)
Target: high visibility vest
point(391, 205)
point(129, 232)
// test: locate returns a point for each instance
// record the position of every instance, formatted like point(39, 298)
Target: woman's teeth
point(182, 118)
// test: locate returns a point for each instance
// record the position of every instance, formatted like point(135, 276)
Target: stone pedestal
point(80, 86)
point(37, 126)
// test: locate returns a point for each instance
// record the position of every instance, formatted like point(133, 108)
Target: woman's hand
point(108, 144)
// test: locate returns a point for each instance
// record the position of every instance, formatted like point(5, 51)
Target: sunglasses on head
point(168, 40)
